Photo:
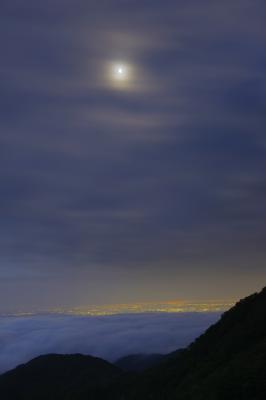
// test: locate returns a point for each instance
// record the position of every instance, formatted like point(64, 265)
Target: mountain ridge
point(228, 361)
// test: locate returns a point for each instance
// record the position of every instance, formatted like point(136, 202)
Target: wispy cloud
point(169, 173)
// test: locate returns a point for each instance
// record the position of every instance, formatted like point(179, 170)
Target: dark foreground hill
point(228, 362)
point(139, 362)
point(55, 376)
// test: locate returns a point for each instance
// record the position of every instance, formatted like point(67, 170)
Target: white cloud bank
point(109, 337)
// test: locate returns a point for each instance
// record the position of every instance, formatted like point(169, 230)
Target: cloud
point(78, 160)
point(109, 337)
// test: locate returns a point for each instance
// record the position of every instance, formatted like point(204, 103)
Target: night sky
point(147, 186)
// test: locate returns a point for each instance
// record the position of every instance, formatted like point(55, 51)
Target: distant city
point(178, 306)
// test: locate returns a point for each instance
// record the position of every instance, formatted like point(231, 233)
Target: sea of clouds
point(108, 337)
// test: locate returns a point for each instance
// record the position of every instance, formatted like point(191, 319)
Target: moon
point(120, 72)
point(119, 75)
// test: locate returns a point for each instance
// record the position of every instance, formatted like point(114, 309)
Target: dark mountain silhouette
point(55, 376)
point(228, 362)
point(139, 362)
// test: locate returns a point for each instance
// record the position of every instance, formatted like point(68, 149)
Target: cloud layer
point(109, 337)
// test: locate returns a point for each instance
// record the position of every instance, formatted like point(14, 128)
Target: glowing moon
point(120, 72)
point(120, 75)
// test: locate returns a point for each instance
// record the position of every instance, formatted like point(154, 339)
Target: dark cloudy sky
point(151, 191)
